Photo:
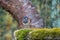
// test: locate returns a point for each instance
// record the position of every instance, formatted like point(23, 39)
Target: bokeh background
point(49, 10)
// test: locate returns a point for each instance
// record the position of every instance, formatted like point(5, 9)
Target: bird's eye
point(25, 19)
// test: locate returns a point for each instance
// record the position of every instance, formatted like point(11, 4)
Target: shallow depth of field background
point(49, 10)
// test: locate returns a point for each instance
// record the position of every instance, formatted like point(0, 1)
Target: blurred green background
point(49, 10)
point(7, 25)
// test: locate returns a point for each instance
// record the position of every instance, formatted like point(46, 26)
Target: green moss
point(38, 34)
point(43, 33)
point(21, 34)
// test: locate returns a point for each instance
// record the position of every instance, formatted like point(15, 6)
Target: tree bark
point(21, 8)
